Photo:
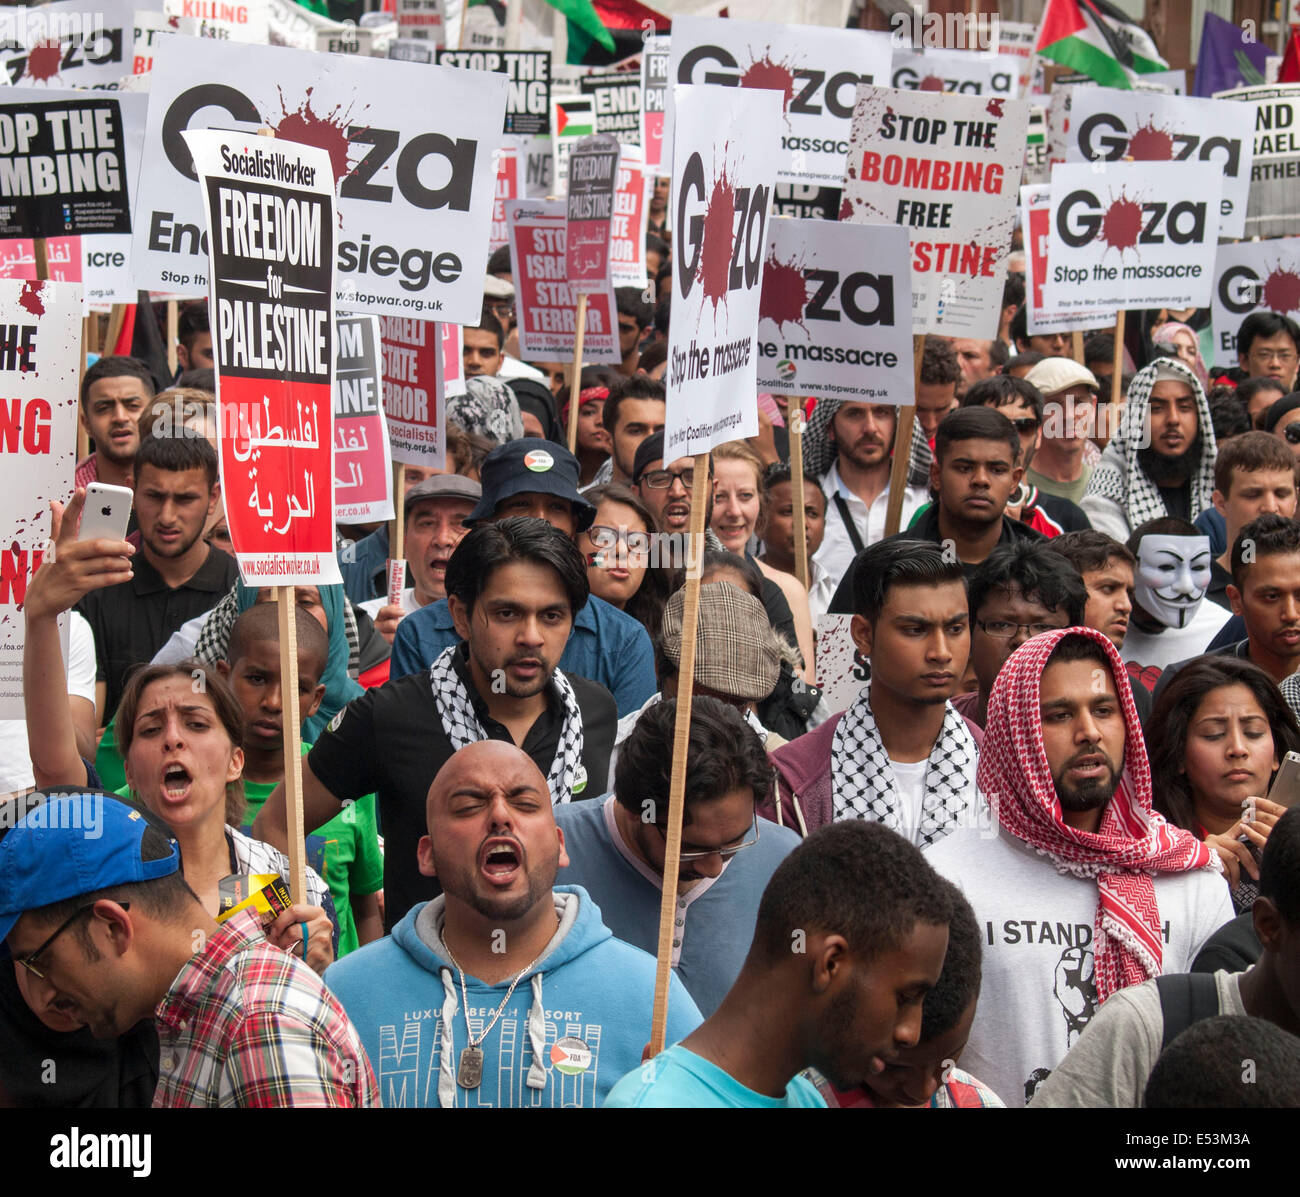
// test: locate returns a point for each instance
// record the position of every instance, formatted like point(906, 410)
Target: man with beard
point(1171, 618)
point(178, 575)
point(664, 486)
point(561, 1008)
point(1161, 460)
point(850, 447)
point(1083, 890)
point(513, 588)
point(868, 921)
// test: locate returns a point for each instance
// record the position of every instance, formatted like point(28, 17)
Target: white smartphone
point(1285, 790)
point(106, 512)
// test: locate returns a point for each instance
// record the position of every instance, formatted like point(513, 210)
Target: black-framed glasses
point(1025, 424)
point(29, 961)
point(663, 479)
point(1004, 629)
point(726, 853)
point(1291, 434)
point(605, 537)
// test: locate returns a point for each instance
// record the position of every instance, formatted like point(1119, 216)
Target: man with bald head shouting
point(506, 990)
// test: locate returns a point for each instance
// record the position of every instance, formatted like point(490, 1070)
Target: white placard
point(410, 147)
point(69, 43)
point(1109, 125)
point(842, 671)
point(1132, 235)
point(948, 168)
point(836, 312)
point(1252, 276)
point(815, 70)
point(40, 351)
point(957, 72)
point(726, 152)
point(1035, 213)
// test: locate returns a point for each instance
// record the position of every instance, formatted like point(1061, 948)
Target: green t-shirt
point(1062, 490)
point(345, 852)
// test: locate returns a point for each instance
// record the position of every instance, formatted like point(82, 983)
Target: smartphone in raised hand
point(106, 512)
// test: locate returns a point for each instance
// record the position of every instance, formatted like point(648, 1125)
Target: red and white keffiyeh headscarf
point(1132, 843)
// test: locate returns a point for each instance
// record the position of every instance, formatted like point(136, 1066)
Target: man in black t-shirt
point(513, 588)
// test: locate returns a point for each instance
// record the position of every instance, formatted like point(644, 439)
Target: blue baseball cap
point(530, 465)
point(69, 844)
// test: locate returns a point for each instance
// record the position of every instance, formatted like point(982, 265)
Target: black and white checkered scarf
point(864, 787)
point(819, 453)
point(462, 726)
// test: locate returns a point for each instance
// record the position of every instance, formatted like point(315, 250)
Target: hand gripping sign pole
point(796, 410)
point(903, 446)
point(681, 739)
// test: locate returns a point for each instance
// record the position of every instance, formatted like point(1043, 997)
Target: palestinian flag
point(1096, 39)
point(602, 32)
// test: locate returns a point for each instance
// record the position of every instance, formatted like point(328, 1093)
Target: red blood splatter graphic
point(994, 106)
point(30, 299)
point(1122, 223)
point(328, 132)
point(763, 73)
point(715, 254)
point(930, 83)
point(846, 210)
point(1149, 144)
point(785, 292)
point(1282, 290)
point(43, 61)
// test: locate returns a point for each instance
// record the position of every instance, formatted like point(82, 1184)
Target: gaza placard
point(546, 306)
point(815, 69)
point(957, 72)
point(1035, 214)
point(1252, 276)
point(1132, 235)
point(726, 153)
point(1108, 125)
point(69, 43)
point(836, 312)
point(271, 226)
point(40, 356)
point(410, 151)
point(948, 169)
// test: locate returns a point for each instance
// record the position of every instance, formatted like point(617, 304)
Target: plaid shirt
point(87, 471)
point(245, 1024)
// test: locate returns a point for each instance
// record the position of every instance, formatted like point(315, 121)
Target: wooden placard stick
point(116, 318)
point(287, 613)
point(575, 379)
point(397, 529)
point(173, 331)
point(796, 410)
point(903, 445)
point(1076, 342)
point(681, 738)
point(1117, 365)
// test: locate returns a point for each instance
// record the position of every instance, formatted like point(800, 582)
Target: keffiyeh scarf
point(1132, 843)
point(488, 408)
point(864, 786)
point(462, 726)
point(819, 450)
point(1119, 475)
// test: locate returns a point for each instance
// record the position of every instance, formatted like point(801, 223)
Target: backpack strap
point(1185, 998)
point(855, 537)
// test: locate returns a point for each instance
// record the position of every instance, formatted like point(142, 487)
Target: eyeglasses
point(663, 479)
point(605, 537)
point(29, 962)
point(1274, 355)
point(1291, 433)
point(502, 310)
point(1025, 424)
point(1004, 629)
point(726, 853)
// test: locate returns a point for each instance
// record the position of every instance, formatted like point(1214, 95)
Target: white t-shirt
point(15, 761)
point(1038, 992)
point(1175, 644)
point(910, 776)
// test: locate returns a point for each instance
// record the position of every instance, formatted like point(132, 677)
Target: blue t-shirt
point(679, 1079)
point(1210, 523)
point(715, 916)
point(606, 646)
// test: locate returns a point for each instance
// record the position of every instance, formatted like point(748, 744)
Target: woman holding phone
point(1223, 731)
point(180, 729)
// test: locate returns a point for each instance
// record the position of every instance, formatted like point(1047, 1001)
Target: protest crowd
point(968, 703)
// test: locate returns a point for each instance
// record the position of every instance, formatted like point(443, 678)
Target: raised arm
point(78, 567)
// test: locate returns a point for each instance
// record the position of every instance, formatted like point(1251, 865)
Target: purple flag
point(1227, 58)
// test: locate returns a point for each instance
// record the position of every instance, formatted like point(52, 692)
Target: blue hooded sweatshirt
point(576, 1022)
